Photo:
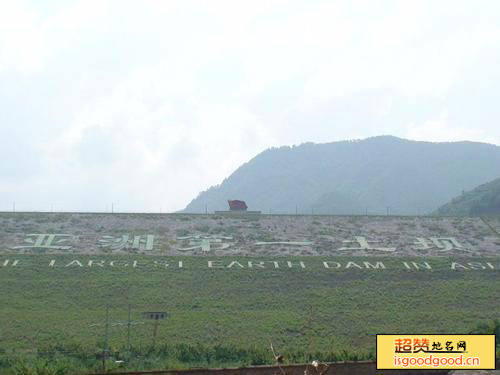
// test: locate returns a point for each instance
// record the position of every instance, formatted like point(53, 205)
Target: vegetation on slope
point(483, 200)
point(352, 177)
point(228, 316)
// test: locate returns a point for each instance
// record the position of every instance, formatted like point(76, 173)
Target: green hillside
point(374, 175)
point(315, 310)
point(320, 287)
point(483, 200)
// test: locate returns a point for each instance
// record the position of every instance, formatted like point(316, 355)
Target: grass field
point(314, 308)
point(53, 304)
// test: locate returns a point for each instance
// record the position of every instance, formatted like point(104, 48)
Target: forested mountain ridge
point(373, 175)
point(482, 200)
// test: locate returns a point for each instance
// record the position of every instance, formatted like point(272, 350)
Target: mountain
point(376, 175)
point(483, 200)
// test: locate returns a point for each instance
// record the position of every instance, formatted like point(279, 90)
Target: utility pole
point(206, 209)
point(128, 329)
point(106, 338)
point(112, 207)
point(109, 324)
point(387, 210)
point(155, 330)
point(14, 206)
point(296, 210)
point(156, 316)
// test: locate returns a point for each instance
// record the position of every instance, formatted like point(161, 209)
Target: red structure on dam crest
point(236, 205)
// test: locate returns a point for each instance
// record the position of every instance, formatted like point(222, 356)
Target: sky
point(140, 105)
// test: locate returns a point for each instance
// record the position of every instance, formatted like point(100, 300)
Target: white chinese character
point(293, 243)
point(45, 241)
point(441, 243)
point(144, 242)
point(205, 243)
point(364, 245)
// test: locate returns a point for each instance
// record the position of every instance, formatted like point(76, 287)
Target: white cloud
point(440, 129)
point(156, 132)
point(150, 102)
point(21, 41)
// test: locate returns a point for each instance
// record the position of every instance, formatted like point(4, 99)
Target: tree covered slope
point(483, 200)
point(377, 175)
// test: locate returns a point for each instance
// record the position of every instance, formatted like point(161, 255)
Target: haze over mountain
point(351, 177)
point(482, 200)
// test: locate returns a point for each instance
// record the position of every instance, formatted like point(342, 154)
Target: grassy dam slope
point(311, 283)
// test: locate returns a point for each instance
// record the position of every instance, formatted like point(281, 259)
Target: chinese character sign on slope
point(143, 243)
point(291, 243)
point(205, 243)
point(46, 241)
point(440, 244)
point(361, 243)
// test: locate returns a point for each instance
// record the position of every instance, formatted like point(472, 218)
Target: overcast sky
point(146, 103)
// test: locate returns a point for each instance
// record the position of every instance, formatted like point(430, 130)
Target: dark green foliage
point(483, 200)
point(490, 328)
point(66, 360)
